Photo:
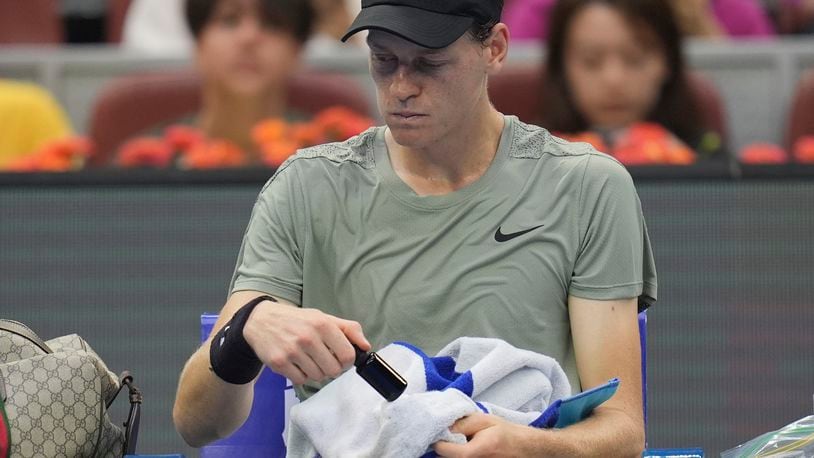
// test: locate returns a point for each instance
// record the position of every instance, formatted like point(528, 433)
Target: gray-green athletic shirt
point(336, 229)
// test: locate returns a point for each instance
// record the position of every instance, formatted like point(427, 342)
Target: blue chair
point(643, 342)
point(261, 435)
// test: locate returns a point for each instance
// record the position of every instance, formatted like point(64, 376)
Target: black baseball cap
point(428, 23)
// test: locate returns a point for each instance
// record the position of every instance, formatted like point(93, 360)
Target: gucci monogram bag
point(56, 394)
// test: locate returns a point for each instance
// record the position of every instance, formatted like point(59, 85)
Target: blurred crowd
point(614, 74)
point(723, 19)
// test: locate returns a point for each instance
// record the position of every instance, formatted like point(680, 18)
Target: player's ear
point(497, 48)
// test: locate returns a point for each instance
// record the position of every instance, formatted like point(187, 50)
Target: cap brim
point(424, 28)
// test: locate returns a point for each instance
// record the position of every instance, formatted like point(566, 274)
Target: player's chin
point(410, 138)
point(407, 134)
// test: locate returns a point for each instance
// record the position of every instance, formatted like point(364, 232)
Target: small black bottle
point(383, 378)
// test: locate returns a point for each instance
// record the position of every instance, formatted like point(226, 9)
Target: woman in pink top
point(528, 19)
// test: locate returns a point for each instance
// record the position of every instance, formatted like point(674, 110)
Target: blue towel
point(348, 418)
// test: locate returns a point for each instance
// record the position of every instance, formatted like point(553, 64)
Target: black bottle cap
point(383, 378)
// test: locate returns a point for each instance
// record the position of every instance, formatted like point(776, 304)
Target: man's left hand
point(487, 436)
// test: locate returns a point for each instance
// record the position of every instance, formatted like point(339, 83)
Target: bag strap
point(15, 327)
point(131, 426)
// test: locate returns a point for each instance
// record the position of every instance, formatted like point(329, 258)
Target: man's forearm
point(207, 408)
point(608, 432)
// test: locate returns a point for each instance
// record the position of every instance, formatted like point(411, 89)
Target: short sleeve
point(270, 257)
point(614, 259)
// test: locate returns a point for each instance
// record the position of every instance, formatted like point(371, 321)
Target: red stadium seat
point(30, 22)
point(516, 90)
point(709, 103)
point(129, 105)
point(801, 117)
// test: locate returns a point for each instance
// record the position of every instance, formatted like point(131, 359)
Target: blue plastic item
point(262, 433)
point(578, 407)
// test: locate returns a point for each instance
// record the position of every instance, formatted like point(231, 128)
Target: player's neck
point(457, 161)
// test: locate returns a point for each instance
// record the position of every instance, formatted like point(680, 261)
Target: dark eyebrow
point(433, 52)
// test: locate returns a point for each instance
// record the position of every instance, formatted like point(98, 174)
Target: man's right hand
point(302, 344)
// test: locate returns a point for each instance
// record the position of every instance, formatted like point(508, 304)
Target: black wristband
point(231, 357)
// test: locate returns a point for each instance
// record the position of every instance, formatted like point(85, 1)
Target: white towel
point(348, 418)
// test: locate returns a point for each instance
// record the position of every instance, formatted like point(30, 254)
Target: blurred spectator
point(529, 19)
point(743, 18)
point(792, 16)
point(332, 20)
point(84, 20)
point(114, 21)
point(245, 52)
point(157, 27)
point(612, 64)
point(29, 118)
point(696, 18)
point(718, 18)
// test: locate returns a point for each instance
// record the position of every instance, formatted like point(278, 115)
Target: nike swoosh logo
point(501, 237)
